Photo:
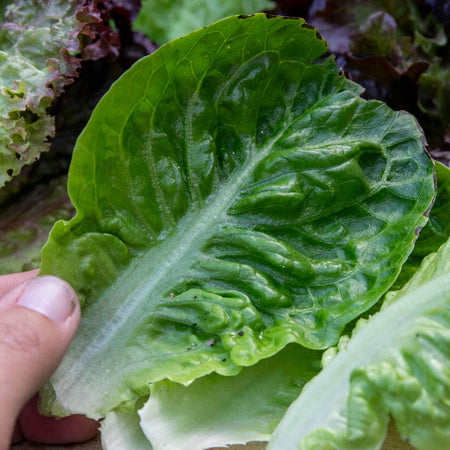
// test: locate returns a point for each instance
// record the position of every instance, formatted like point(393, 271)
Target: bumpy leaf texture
point(38, 40)
point(32, 72)
point(215, 411)
point(396, 363)
point(165, 20)
point(234, 194)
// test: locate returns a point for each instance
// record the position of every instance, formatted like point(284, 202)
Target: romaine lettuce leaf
point(215, 411)
point(120, 430)
point(396, 364)
point(234, 194)
point(36, 39)
point(436, 231)
point(165, 20)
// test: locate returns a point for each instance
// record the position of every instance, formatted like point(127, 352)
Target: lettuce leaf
point(26, 222)
point(36, 39)
point(398, 50)
point(390, 367)
point(215, 411)
point(234, 194)
point(436, 231)
point(120, 430)
point(192, 417)
point(165, 20)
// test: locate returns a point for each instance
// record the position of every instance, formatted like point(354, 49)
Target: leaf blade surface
point(242, 197)
point(389, 367)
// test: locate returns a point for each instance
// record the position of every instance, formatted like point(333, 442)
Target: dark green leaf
point(233, 194)
point(437, 230)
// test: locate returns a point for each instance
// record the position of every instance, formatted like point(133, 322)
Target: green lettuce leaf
point(396, 364)
point(165, 20)
point(120, 430)
point(234, 194)
point(26, 222)
point(215, 411)
point(436, 231)
point(36, 39)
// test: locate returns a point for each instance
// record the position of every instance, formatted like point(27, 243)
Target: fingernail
point(49, 296)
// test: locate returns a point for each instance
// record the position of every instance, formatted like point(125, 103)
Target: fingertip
point(37, 322)
point(47, 295)
point(50, 296)
point(49, 430)
point(9, 282)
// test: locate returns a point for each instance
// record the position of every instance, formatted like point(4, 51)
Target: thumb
point(37, 322)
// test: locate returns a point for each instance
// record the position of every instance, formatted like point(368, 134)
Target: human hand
point(38, 319)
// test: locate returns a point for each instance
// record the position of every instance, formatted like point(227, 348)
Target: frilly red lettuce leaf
point(39, 190)
point(398, 50)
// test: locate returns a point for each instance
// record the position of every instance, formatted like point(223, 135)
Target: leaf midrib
point(195, 228)
point(329, 389)
point(120, 289)
point(93, 340)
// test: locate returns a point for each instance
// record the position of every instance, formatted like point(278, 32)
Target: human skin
point(38, 319)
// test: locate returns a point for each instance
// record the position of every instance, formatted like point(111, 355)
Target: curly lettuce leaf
point(32, 72)
point(234, 194)
point(165, 20)
point(37, 40)
point(396, 364)
point(392, 28)
point(215, 411)
point(398, 50)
